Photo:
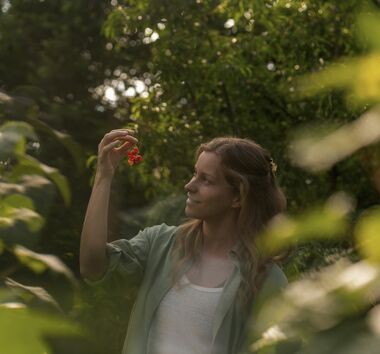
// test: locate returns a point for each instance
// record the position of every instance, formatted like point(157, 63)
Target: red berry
point(135, 150)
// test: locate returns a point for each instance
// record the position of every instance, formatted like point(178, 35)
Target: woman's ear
point(236, 202)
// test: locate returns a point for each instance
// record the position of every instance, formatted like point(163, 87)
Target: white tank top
point(183, 321)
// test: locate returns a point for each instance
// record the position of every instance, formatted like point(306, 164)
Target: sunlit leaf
point(11, 144)
point(367, 233)
point(4, 98)
point(91, 161)
point(369, 28)
point(317, 152)
point(21, 128)
point(40, 262)
point(374, 320)
point(38, 292)
point(359, 77)
point(272, 335)
point(317, 303)
point(18, 201)
point(326, 222)
point(17, 322)
point(24, 185)
point(12, 138)
point(15, 208)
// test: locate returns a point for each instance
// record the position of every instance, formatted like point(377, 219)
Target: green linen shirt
point(148, 256)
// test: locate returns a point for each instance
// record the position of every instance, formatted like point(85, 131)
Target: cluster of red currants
point(134, 157)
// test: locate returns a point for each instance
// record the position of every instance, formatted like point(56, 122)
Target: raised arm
point(113, 147)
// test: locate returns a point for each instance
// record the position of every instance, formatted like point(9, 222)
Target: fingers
point(110, 146)
point(116, 134)
point(126, 146)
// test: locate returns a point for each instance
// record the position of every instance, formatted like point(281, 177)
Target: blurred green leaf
point(374, 320)
point(11, 144)
point(18, 201)
point(369, 28)
point(65, 139)
point(4, 98)
point(36, 291)
point(359, 77)
point(316, 152)
point(17, 207)
point(91, 161)
point(317, 303)
point(326, 222)
point(29, 165)
point(12, 138)
point(40, 262)
point(17, 322)
point(114, 23)
point(367, 232)
point(21, 128)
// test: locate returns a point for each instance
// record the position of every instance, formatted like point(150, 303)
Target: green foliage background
point(194, 70)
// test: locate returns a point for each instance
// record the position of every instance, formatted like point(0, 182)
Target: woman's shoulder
point(277, 275)
point(161, 231)
point(275, 280)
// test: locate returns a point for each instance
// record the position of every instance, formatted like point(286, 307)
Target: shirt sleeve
point(126, 260)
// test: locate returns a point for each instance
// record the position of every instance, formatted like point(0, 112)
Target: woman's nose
point(190, 186)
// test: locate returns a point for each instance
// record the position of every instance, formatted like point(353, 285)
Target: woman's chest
point(210, 272)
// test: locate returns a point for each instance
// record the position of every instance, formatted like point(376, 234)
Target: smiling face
point(210, 197)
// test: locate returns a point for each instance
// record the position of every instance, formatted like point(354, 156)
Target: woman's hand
point(112, 149)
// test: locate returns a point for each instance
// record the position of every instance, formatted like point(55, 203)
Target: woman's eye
point(206, 181)
point(202, 178)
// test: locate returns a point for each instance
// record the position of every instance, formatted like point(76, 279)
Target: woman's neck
point(219, 237)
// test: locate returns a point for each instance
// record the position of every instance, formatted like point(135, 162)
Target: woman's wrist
point(103, 178)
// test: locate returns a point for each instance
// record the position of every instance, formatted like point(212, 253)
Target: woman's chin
point(190, 213)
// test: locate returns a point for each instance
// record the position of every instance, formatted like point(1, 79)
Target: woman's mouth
point(191, 200)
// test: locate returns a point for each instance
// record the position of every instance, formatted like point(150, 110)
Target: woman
point(200, 279)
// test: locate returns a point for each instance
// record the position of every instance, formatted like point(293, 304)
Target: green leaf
point(369, 28)
point(11, 144)
point(20, 128)
point(367, 232)
point(91, 161)
point(18, 201)
point(114, 22)
point(17, 207)
point(30, 165)
point(326, 222)
point(13, 137)
point(17, 322)
point(40, 262)
point(359, 77)
point(65, 139)
point(40, 293)
point(316, 303)
point(318, 151)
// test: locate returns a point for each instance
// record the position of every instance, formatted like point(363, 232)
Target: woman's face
point(210, 197)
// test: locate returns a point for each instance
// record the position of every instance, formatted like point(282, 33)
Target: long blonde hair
point(248, 168)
